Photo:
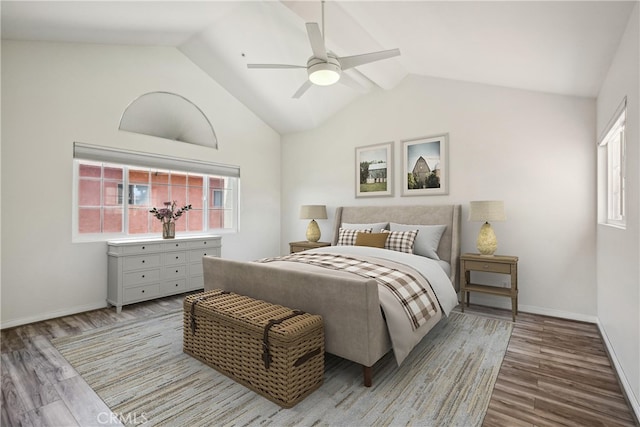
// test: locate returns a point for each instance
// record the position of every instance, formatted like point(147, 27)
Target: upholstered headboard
point(449, 215)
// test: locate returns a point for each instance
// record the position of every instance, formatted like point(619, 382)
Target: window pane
point(139, 220)
point(137, 176)
point(179, 195)
point(90, 171)
point(178, 179)
point(194, 220)
point(113, 173)
point(89, 220)
point(112, 220)
point(89, 192)
point(159, 195)
point(160, 178)
point(194, 197)
point(112, 193)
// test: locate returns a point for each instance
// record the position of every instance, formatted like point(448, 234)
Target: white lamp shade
point(313, 212)
point(486, 211)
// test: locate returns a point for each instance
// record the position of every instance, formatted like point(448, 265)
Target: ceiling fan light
point(324, 74)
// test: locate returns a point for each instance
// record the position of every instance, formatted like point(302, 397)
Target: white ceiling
point(550, 46)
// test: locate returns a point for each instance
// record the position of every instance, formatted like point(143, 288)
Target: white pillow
point(348, 237)
point(428, 238)
point(377, 226)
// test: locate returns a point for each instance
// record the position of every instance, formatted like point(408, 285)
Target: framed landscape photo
point(374, 170)
point(425, 166)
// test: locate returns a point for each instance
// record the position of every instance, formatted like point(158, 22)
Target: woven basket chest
point(273, 350)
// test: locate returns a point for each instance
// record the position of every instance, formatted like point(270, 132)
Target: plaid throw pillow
point(401, 241)
point(348, 237)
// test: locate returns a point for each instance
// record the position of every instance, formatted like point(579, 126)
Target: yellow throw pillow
point(376, 240)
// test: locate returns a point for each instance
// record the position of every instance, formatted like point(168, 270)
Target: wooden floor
point(555, 372)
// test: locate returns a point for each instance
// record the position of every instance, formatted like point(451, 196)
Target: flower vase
point(168, 230)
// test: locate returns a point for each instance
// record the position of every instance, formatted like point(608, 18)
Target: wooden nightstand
point(491, 264)
point(304, 245)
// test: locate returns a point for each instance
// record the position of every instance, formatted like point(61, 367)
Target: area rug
point(141, 373)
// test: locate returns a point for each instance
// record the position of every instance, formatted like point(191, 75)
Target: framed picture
point(425, 166)
point(374, 170)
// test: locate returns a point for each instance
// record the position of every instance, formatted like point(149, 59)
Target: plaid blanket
point(414, 298)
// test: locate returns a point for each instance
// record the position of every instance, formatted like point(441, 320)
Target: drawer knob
point(176, 271)
point(205, 254)
point(143, 247)
point(143, 278)
point(143, 291)
point(205, 243)
point(486, 266)
point(177, 245)
point(176, 285)
point(143, 261)
point(177, 257)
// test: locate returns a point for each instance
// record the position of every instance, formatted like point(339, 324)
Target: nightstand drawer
point(493, 267)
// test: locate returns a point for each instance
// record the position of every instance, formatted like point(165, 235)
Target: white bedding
point(403, 336)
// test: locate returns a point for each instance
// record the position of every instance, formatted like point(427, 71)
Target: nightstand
point(304, 245)
point(501, 264)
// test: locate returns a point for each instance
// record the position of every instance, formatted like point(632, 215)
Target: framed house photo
point(425, 166)
point(374, 170)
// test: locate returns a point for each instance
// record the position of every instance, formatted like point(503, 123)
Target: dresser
point(144, 269)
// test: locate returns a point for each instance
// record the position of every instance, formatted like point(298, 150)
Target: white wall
point(532, 150)
point(54, 94)
point(618, 251)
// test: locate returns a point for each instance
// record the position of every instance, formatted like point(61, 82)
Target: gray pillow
point(375, 227)
point(428, 238)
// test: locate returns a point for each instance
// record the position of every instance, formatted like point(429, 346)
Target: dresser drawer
point(196, 255)
point(175, 245)
point(175, 271)
point(492, 267)
point(209, 243)
point(141, 248)
point(141, 277)
point(174, 287)
point(140, 293)
point(141, 261)
point(172, 258)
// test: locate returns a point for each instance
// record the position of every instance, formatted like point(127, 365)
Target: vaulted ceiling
point(563, 47)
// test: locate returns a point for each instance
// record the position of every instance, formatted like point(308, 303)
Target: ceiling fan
point(325, 67)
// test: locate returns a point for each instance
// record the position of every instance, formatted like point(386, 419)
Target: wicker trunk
point(273, 350)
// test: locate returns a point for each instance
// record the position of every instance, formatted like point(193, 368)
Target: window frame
point(612, 159)
point(89, 154)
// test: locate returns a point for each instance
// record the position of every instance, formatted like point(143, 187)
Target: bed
point(364, 315)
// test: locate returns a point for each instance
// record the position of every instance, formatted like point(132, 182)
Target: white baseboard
point(626, 386)
point(51, 315)
point(505, 303)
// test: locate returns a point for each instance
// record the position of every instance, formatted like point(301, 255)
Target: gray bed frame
point(353, 323)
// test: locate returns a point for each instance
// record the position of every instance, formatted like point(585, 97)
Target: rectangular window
point(612, 156)
point(113, 199)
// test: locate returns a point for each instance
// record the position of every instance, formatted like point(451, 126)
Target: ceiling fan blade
point(274, 66)
point(347, 80)
point(305, 86)
point(347, 62)
point(316, 40)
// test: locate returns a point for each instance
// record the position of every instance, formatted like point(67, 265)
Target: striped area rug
point(141, 373)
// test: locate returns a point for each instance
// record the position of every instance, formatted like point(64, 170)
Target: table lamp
point(486, 211)
point(313, 212)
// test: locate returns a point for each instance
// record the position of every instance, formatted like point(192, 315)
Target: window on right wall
point(612, 171)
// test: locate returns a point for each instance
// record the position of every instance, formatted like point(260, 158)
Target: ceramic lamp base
point(313, 231)
point(487, 242)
